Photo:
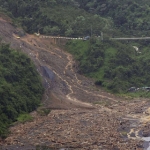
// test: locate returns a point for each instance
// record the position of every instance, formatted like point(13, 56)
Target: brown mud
point(82, 116)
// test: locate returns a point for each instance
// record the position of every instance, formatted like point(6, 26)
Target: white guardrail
point(70, 38)
point(56, 37)
point(133, 38)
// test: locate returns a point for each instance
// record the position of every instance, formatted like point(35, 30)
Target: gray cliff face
point(48, 73)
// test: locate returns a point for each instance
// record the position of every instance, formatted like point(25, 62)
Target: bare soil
point(82, 115)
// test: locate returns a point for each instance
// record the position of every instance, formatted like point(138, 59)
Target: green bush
point(24, 117)
point(20, 87)
point(114, 65)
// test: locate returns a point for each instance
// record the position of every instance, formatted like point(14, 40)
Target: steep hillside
point(20, 86)
point(115, 65)
point(83, 116)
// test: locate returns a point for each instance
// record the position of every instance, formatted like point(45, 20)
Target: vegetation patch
point(43, 111)
point(22, 118)
point(55, 17)
point(124, 133)
point(116, 66)
point(20, 87)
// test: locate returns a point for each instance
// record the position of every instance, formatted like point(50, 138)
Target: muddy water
point(146, 143)
point(136, 134)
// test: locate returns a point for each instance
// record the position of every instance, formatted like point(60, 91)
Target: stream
point(136, 134)
point(146, 143)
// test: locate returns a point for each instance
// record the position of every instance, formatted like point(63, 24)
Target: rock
point(145, 134)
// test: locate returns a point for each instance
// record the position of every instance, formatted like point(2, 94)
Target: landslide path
point(68, 88)
point(82, 117)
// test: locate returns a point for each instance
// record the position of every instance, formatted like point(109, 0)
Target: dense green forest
point(55, 17)
point(20, 86)
point(77, 17)
point(117, 66)
point(130, 17)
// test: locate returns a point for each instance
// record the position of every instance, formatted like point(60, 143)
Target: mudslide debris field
point(82, 116)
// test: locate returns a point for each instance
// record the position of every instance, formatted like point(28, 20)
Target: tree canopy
point(20, 86)
point(75, 17)
point(55, 17)
point(116, 66)
point(131, 17)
